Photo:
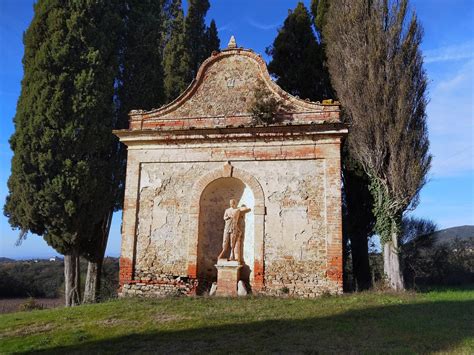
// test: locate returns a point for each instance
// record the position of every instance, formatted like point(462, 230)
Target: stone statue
point(232, 231)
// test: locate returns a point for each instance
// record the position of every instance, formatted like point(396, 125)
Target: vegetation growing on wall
point(264, 106)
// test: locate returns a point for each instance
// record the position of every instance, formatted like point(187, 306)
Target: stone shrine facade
point(188, 159)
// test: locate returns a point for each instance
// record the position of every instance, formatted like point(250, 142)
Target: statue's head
point(232, 203)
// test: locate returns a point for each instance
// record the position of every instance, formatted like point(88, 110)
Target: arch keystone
point(228, 169)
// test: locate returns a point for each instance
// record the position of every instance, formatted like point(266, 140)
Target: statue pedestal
point(228, 275)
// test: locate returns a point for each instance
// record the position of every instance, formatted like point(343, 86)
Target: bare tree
point(377, 71)
point(413, 227)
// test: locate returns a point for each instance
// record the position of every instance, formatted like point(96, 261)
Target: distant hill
point(451, 235)
point(44, 278)
point(5, 260)
point(445, 257)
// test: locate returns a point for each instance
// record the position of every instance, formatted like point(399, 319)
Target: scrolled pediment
point(222, 95)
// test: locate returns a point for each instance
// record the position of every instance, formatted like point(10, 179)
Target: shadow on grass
point(424, 327)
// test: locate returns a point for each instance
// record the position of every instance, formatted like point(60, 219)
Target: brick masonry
point(187, 158)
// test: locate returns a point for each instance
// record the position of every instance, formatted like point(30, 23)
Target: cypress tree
point(297, 60)
point(358, 219)
point(319, 10)
point(154, 65)
point(213, 42)
point(189, 43)
point(196, 35)
point(141, 79)
point(140, 86)
point(169, 7)
point(105, 27)
point(175, 56)
point(59, 187)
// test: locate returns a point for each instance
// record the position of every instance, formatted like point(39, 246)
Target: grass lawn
point(437, 321)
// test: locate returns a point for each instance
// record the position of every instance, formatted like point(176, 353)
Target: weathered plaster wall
point(301, 196)
point(163, 218)
point(295, 225)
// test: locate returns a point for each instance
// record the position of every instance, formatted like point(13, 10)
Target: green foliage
point(384, 221)
point(357, 199)
point(264, 106)
point(45, 279)
point(42, 279)
point(63, 141)
point(213, 41)
point(141, 77)
point(297, 58)
point(196, 35)
point(175, 56)
point(319, 10)
point(86, 65)
point(189, 43)
point(430, 262)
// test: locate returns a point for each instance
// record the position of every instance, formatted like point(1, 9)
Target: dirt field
point(10, 305)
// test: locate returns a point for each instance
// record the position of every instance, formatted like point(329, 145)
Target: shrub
point(30, 305)
point(439, 264)
point(264, 106)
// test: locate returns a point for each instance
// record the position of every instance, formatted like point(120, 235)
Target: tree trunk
point(360, 262)
point(94, 267)
point(92, 286)
point(391, 264)
point(72, 280)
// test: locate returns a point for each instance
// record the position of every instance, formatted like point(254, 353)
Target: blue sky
point(448, 46)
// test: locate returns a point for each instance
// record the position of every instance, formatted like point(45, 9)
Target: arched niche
point(213, 202)
point(210, 198)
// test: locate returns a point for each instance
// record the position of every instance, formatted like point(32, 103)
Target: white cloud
point(262, 26)
point(450, 121)
point(450, 53)
point(227, 27)
point(462, 77)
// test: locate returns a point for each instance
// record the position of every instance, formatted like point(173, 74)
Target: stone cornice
point(232, 134)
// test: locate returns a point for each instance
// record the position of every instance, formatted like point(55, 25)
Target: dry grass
point(10, 305)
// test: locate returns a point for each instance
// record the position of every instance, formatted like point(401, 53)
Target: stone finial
point(232, 43)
